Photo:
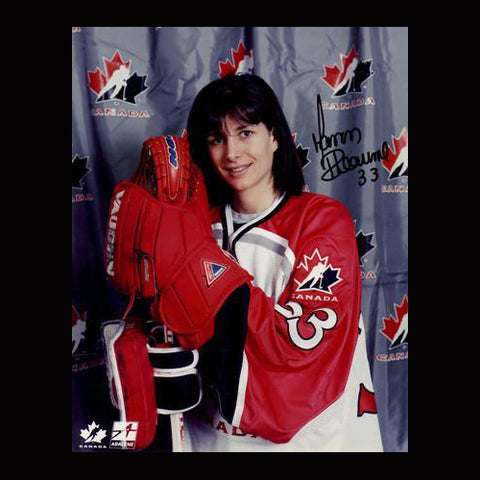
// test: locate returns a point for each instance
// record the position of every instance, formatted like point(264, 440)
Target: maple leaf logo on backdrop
point(350, 76)
point(79, 326)
point(302, 152)
point(321, 274)
point(116, 82)
point(364, 244)
point(396, 328)
point(79, 170)
point(242, 62)
point(396, 162)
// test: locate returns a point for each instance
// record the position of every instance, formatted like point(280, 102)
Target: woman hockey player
point(286, 368)
point(259, 281)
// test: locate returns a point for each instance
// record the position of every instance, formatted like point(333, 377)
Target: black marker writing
point(334, 161)
point(327, 142)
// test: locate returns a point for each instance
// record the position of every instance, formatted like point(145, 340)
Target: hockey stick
point(176, 419)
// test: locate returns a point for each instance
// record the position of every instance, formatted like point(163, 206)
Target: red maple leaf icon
point(334, 76)
point(97, 79)
point(397, 160)
point(396, 329)
point(240, 55)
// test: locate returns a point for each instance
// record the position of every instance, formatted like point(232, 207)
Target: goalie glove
point(160, 244)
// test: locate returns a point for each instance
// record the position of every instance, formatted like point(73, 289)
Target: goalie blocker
point(160, 247)
point(160, 244)
point(148, 376)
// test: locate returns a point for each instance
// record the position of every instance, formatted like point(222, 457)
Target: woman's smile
point(238, 171)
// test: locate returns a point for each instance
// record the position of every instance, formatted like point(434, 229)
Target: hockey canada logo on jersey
point(320, 275)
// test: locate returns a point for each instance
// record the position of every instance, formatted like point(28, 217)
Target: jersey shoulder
point(319, 214)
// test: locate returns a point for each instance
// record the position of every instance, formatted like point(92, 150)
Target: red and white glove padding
point(160, 244)
point(147, 376)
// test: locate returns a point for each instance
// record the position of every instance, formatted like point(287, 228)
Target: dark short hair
point(250, 99)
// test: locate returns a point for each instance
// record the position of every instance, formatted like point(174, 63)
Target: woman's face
point(243, 156)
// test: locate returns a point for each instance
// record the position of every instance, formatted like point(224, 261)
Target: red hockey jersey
point(289, 365)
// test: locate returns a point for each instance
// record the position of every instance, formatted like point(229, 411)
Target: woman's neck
point(251, 202)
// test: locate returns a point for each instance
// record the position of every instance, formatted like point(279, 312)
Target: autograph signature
point(333, 160)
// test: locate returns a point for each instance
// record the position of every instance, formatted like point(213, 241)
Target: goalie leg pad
point(178, 385)
point(130, 374)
